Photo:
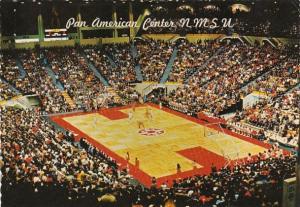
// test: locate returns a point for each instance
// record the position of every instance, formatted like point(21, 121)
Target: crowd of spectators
point(10, 71)
point(71, 70)
point(122, 56)
point(41, 83)
point(276, 113)
point(35, 81)
point(217, 86)
point(78, 80)
point(278, 118)
point(221, 84)
point(281, 78)
point(9, 68)
point(42, 166)
point(202, 92)
point(6, 92)
point(153, 56)
point(119, 71)
point(191, 56)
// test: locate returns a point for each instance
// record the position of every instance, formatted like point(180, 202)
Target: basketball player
point(141, 101)
point(130, 115)
point(127, 156)
point(178, 168)
point(160, 105)
point(95, 121)
point(140, 125)
point(148, 114)
point(137, 162)
point(133, 107)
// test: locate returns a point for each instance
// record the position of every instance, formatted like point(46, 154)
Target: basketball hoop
point(216, 133)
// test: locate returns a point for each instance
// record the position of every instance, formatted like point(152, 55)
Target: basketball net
point(216, 133)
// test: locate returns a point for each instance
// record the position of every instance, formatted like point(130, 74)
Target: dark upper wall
point(21, 18)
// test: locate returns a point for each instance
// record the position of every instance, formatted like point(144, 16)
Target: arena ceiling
point(151, 1)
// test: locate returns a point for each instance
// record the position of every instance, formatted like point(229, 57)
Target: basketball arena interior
point(149, 103)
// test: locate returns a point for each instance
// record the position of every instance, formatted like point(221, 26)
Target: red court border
point(140, 175)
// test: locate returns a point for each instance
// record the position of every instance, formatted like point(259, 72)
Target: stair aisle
point(95, 70)
point(169, 66)
point(21, 69)
point(51, 73)
point(111, 61)
point(204, 65)
point(137, 67)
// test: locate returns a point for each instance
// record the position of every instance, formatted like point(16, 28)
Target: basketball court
point(165, 139)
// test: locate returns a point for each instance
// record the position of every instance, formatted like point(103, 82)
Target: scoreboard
point(55, 34)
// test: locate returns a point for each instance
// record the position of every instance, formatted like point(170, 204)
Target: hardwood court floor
point(159, 154)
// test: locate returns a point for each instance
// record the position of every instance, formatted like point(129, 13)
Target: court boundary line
point(137, 173)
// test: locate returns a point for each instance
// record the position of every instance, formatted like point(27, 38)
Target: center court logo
point(151, 132)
